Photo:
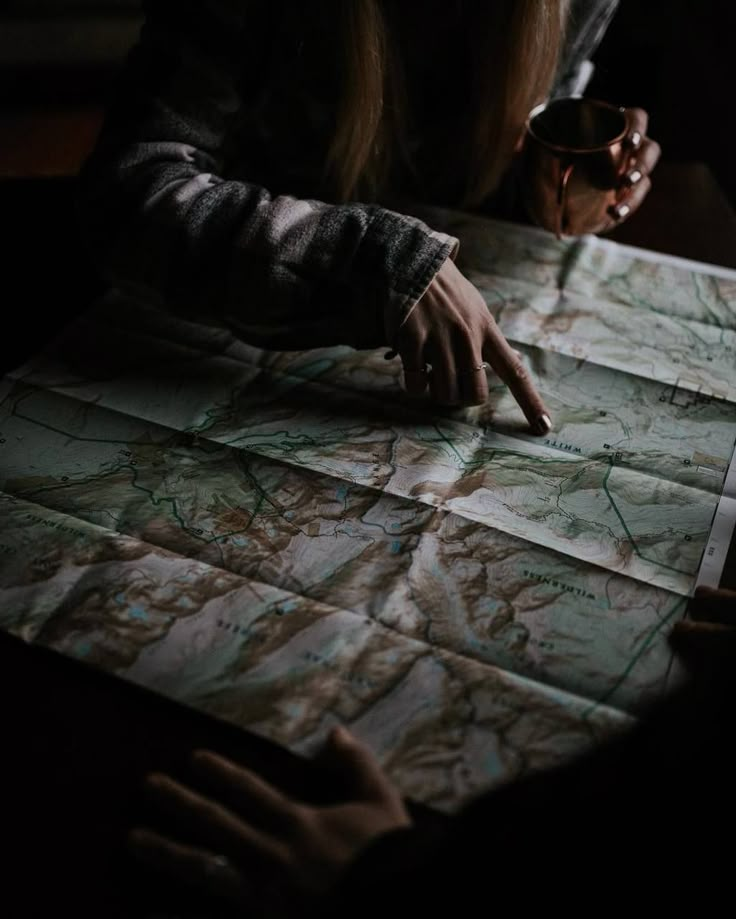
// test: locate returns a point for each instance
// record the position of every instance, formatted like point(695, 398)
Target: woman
point(228, 176)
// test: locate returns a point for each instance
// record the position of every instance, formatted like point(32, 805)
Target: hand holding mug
point(586, 165)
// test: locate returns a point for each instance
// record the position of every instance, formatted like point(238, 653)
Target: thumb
point(713, 605)
point(706, 648)
point(359, 767)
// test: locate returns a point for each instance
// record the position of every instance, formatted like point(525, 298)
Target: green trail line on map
point(628, 532)
point(645, 644)
point(449, 442)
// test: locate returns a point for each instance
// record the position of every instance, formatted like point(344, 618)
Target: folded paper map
point(287, 541)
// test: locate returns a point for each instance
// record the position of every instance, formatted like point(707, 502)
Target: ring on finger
point(484, 365)
point(217, 865)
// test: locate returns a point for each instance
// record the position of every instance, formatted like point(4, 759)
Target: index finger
point(507, 364)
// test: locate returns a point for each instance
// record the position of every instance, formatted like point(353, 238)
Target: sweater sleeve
point(165, 222)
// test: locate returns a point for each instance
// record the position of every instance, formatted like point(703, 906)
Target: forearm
point(165, 219)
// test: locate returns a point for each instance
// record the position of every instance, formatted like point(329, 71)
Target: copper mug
point(576, 152)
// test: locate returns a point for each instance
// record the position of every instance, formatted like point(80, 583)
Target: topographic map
point(287, 541)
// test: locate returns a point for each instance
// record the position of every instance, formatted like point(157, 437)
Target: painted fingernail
point(635, 139)
point(633, 177)
point(620, 211)
point(543, 425)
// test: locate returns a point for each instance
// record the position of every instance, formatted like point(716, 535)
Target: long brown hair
point(514, 47)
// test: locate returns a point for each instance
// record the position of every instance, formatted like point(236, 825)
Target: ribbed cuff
point(395, 314)
point(397, 260)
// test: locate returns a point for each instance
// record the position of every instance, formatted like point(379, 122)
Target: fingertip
point(632, 178)
point(649, 154)
point(703, 590)
point(200, 761)
point(208, 762)
point(139, 839)
point(136, 835)
point(542, 425)
point(638, 119)
point(340, 735)
point(156, 780)
point(336, 742)
point(684, 626)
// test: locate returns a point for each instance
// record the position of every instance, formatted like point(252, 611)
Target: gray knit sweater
point(203, 192)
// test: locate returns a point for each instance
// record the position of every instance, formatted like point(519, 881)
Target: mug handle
point(562, 198)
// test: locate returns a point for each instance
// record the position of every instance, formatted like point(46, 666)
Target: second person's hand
point(245, 835)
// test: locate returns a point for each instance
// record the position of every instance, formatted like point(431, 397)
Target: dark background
point(677, 59)
point(59, 60)
point(672, 57)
